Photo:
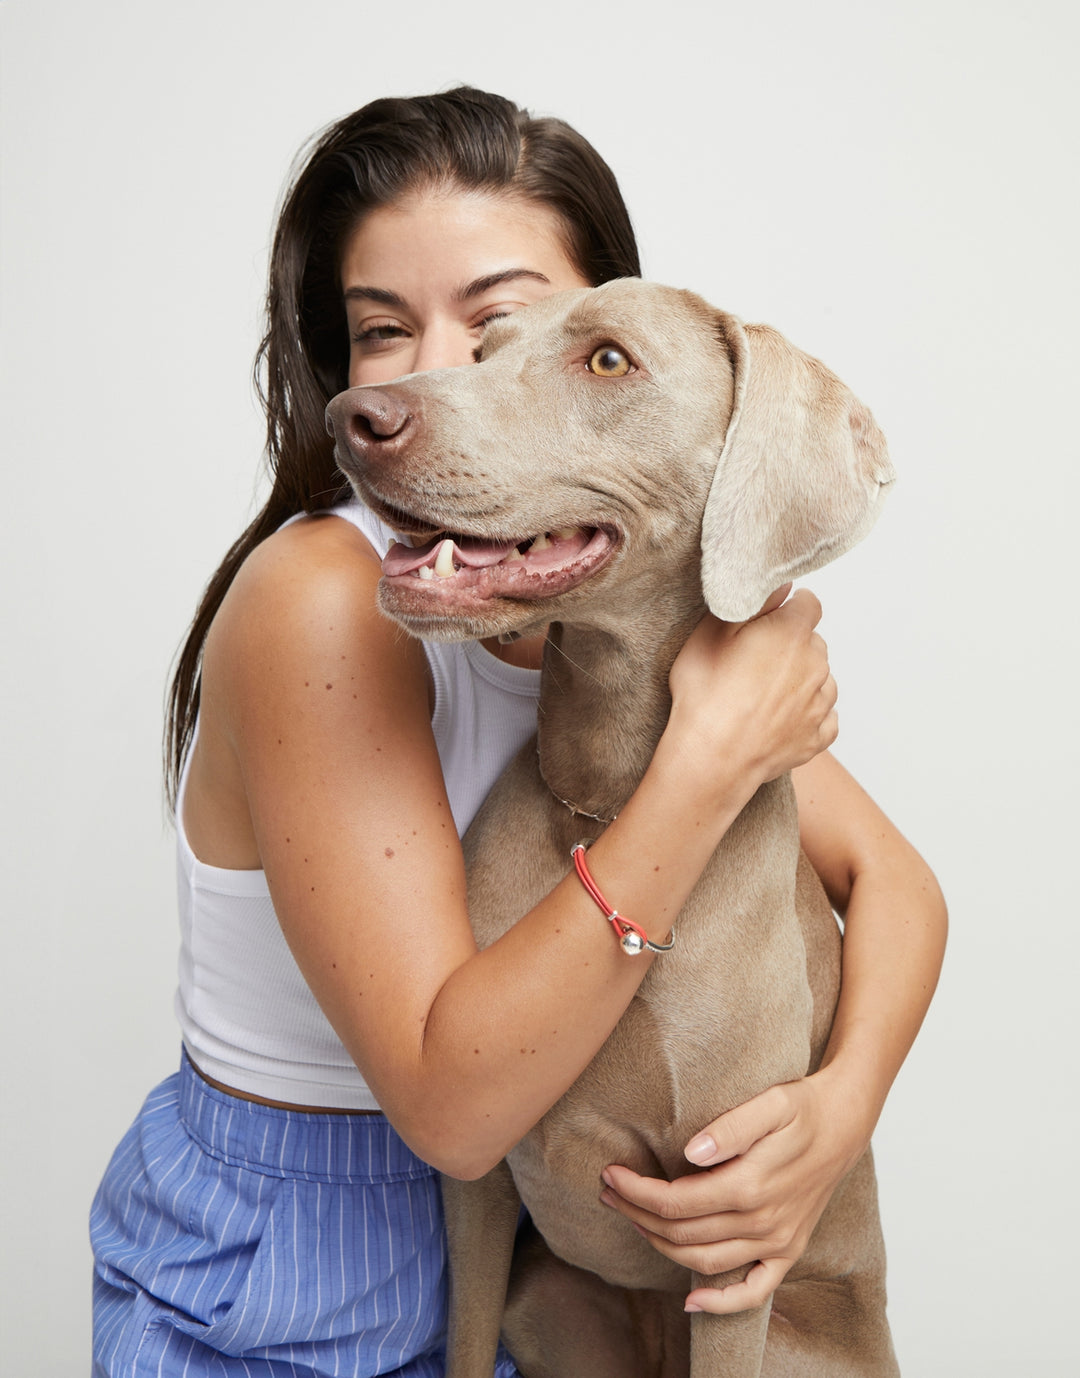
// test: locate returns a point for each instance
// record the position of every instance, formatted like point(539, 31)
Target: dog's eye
point(609, 362)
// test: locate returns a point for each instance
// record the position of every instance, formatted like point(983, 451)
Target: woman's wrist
point(713, 769)
point(855, 1101)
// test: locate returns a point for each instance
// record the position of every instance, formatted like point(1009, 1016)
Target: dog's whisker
point(557, 649)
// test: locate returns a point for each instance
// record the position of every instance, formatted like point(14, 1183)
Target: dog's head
point(606, 436)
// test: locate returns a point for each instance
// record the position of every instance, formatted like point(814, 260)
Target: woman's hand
point(758, 693)
point(773, 1164)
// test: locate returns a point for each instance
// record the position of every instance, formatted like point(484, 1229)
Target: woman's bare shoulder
point(307, 591)
point(298, 665)
point(309, 555)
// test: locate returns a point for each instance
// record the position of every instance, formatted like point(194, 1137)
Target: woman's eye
point(609, 362)
point(491, 316)
point(382, 332)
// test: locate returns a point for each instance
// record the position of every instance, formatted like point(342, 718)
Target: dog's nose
point(371, 423)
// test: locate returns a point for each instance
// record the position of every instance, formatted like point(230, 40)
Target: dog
point(622, 459)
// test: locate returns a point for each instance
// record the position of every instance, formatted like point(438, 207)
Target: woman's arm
point(323, 706)
point(777, 1159)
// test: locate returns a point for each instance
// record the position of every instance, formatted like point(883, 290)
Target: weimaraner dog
point(621, 459)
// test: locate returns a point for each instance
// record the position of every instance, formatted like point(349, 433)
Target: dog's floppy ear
point(800, 477)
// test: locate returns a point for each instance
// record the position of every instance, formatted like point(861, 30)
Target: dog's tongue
point(403, 559)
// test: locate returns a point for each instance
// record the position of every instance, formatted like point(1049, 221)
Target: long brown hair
point(462, 138)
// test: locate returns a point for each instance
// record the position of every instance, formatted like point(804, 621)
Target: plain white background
point(895, 187)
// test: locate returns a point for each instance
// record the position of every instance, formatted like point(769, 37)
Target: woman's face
point(423, 275)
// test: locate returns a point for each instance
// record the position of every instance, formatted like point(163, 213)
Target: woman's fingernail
point(700, 1150)
point(607, 1198)
point(606, 1177)
point(692, 1306)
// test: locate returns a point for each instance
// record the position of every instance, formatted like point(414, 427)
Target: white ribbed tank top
point(246, 1014)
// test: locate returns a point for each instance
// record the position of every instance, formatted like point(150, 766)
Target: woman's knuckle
point(765, 1222)
point(769, 1225)
point(710, 1260)
point(745, 1198)
point(681, 1233)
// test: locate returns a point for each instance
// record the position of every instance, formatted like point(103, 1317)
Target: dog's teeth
point(565, 533)
point(444, 560)
point(515, 554)
point(541, 542)
point(426, 572)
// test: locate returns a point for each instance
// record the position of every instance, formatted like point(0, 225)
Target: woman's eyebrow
point(379, 294)
point(471, 289)
point(490, 280)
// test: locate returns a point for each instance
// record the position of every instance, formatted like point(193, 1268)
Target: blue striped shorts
point(232, 1238)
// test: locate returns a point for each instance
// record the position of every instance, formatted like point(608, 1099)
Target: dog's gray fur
point(724, 464)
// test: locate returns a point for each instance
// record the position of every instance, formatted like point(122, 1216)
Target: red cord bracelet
point(632, 937)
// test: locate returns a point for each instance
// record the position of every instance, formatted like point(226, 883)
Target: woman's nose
point(443, 346)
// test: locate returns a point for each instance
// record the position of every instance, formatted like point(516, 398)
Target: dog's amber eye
point(609, 362)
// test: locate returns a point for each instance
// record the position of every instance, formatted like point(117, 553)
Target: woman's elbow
point(470, 1171)
point(455, 1155)
point(453, 1150)
point(912, 875)
point(935, 906)
point(461, 1134)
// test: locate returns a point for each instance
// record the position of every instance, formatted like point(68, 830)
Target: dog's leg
point(564, 1322)
point(728, 1346)
point(828, 1318)
point(481, 1220)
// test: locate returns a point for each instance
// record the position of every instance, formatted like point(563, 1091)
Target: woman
point(321, 764)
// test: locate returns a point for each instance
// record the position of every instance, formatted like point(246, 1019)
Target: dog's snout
point(378, 415)
point(369, 421)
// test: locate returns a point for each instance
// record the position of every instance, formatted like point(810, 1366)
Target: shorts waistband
point(293, 1143)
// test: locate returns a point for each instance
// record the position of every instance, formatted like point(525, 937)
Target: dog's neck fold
point(604, 704)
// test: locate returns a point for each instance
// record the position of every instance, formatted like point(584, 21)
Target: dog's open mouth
point(452, 567)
